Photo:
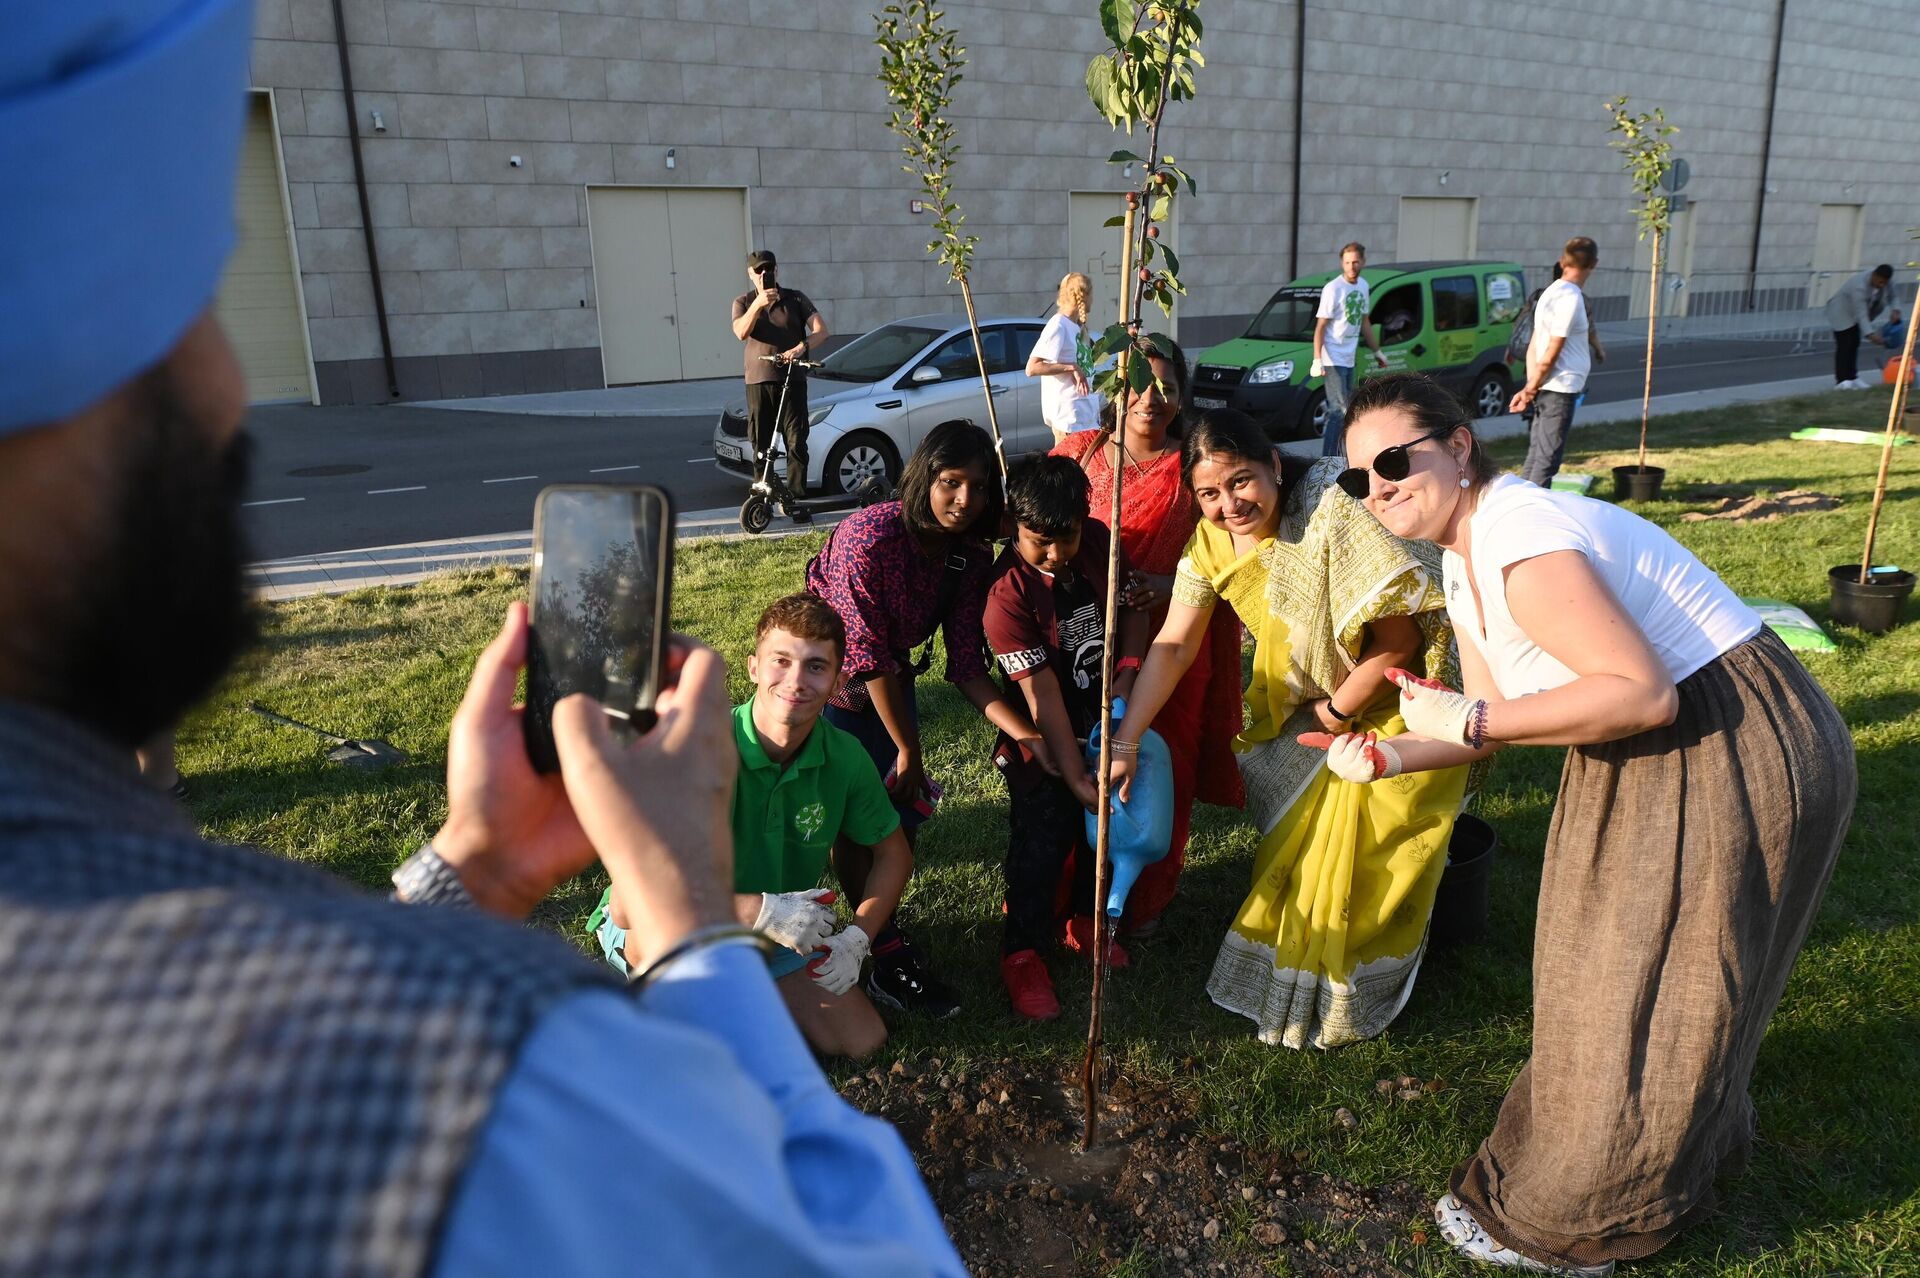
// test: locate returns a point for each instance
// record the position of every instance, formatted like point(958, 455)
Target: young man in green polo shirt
point(803, 783)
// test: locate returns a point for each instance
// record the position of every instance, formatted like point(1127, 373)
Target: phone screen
point(602, 556)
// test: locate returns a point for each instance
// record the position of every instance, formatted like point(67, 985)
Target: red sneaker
point(1029, 986)
point(1078, 937)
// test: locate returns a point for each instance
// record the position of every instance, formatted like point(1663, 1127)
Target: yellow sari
point(1325, 948)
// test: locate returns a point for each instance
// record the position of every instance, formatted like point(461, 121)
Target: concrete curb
point(344, 570)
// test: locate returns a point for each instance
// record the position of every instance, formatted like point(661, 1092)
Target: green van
point(1449, 319)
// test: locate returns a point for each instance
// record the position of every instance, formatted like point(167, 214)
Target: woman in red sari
point(1157, 518)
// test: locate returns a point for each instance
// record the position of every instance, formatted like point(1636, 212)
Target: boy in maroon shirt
point(1046, 625)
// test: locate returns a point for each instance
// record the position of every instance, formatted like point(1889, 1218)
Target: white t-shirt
point(1562, 312)
point(1344, 305)
point(1061, 407)
point(1688, 614)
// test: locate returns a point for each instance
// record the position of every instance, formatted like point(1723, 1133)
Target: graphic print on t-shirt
point(1080, 643)
point(1353, 309)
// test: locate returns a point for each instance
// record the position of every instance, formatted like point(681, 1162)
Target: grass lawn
point(1835, 1186)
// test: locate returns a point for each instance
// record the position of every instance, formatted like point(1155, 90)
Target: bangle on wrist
point(702, 938)
point(1334, 710)
point(1125, 664)
point(1117, 746)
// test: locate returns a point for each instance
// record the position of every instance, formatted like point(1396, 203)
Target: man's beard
point(164, 610)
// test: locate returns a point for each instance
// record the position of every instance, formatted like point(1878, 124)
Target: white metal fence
point(1784, 307)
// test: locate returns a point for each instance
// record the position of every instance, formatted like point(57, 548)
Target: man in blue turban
point(214, 1061)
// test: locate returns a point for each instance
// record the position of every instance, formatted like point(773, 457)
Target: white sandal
point(1459, 1228)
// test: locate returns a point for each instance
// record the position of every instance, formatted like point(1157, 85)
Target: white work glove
point(1316, 369)
point(839, 968)
point(801, 921)
point(1432, 709)
point(1361, 757)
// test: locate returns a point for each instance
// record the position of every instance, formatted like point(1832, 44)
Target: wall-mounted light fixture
point(670, 157)
point(513, 161)
point(1444, 175)
point(379, 125)
point(916, 206)
point(1126, 170)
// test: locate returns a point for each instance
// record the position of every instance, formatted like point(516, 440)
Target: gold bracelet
point(701, 938)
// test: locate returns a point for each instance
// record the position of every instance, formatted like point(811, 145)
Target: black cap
point(759, 258)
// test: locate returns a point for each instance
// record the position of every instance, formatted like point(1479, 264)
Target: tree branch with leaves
point(1647, 154)
point(1151, 62)
point(920, 64)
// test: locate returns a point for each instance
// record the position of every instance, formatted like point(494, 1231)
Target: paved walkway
point(347, 570)
point(657, 399)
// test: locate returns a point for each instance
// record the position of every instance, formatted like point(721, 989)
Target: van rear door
point(1460, 328)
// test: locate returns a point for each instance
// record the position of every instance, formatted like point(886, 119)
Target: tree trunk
point(1653, 310)
point(1102, 871)
point(986, 386)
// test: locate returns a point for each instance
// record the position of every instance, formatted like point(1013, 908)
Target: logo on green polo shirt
point(810, 820)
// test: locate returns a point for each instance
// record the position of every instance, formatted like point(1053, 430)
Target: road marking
point(608, 470)
point(276, 501)
point(700, 461)
point(510, 479)
point(411, 488)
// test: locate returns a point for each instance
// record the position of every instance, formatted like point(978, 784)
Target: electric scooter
point(771, 492)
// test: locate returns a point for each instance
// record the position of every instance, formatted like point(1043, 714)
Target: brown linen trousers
point(1682, 870)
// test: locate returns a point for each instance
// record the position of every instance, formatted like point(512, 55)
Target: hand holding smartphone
point(602, 568)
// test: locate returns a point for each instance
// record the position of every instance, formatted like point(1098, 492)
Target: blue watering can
point(1141, 830)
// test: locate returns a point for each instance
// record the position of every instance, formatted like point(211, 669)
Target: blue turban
point(120, 130)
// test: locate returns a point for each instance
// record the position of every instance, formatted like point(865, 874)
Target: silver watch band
point(425, 879)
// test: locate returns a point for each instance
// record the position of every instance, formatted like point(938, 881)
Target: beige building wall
point(489, 270)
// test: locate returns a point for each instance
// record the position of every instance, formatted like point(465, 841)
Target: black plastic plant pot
point(1873, 605)
point(1461, 906)
point(1636, 483)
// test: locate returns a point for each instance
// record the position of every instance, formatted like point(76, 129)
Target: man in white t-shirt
point(1343, 318)
point(1062, 360)
point(1558, 361)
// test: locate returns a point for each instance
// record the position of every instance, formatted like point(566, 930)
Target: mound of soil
point(999, 1147)
point(1751, 508)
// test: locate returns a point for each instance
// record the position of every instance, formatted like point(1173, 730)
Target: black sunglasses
point(1391, 464)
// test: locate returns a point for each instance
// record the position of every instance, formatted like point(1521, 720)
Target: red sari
point(1157, 517)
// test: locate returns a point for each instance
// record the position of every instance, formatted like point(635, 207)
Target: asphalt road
point(345, 478)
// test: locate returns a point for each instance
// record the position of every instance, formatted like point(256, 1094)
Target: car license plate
point(731, 452)
point(1202, 402)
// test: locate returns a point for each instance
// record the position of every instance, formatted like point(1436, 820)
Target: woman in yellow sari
point(1325, 948)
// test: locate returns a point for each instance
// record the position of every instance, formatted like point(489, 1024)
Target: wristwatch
point(425, 879)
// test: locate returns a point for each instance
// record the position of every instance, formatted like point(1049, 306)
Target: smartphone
point(602, 566)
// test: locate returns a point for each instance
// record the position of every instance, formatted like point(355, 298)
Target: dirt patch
point(1752, 508)
point(999, 1147)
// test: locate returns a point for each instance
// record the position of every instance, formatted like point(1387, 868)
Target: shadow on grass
point(1838, 1142)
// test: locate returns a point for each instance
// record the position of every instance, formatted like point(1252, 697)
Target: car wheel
point(756, 512)
point(1313, 418)
point(1492, 392)
point(860, 459)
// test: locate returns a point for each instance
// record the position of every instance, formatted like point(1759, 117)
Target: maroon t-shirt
point(1035, 622)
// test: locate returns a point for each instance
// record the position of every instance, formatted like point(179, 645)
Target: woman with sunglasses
point(1325, 948)
point(1701, 808)
point(1157, 519)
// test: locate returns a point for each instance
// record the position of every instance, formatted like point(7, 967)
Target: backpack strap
point(943, 603)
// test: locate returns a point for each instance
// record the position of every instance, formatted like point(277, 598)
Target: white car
point(879, 395)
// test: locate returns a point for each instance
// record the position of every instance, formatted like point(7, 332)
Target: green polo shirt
point(785, 819)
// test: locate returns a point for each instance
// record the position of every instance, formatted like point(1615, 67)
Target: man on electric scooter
point(781, 322)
